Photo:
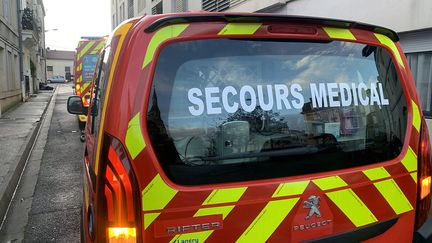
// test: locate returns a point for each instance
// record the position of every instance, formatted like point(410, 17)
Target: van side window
point(99, 89)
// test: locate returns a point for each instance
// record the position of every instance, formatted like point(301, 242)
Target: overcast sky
point(74, 19)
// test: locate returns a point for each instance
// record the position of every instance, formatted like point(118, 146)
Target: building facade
point(125, 9)
point(33, 38)
point(10, 91)
point(60, 63)
point(21, 26)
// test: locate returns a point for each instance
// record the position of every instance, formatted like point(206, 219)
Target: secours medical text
point(212, 100)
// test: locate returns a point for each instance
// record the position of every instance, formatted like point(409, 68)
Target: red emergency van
point(209, 127)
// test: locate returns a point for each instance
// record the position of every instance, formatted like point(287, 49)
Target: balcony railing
point(28, 19)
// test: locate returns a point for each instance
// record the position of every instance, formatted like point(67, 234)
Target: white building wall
point(59, 66)
point(399, 15)
point(144, 7)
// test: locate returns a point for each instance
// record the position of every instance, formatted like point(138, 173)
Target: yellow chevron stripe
point(217, 196)
point(339, 33)
point(86, 48)
point(83, 87)
point(416, 121)
point(98, 48)
point(268, 220)
point(376, 173)
point(203, 235)
point(414, 176)
point(330, 182)
point(394, 196)
point(290, 188)
point(352, 206)
point(224, 195)
point(160, 36)
point(390, 44)
point(149, 218)
point(157, 194)
point(134, 139)
point(240, 29)
point(410, 160)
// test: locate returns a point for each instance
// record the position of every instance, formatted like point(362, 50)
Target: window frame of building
point(215, 5)
point(130, 12)
point(121, 14)
point(158, 8)
point(6, 10)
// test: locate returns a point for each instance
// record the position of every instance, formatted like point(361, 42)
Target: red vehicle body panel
point(128, 89)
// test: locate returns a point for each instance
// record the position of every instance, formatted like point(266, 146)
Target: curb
point(14, 175)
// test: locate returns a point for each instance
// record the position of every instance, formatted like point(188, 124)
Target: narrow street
point(47, 204)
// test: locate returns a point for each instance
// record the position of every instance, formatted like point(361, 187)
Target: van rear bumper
point(424, 234)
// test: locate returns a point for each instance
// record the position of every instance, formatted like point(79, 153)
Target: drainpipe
point(20, 41)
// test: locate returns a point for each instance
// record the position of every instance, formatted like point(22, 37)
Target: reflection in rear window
point(228, 110)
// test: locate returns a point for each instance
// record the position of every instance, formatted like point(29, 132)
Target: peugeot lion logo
point(313, 203)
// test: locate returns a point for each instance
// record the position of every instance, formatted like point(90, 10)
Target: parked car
point(56, 79)
point(209, 127)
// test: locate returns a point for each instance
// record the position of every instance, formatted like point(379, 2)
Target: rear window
point(226, 110)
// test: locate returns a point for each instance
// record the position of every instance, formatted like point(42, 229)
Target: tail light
point(120, 212)
point(86, 100)
point(78, 90)
point(424, 177)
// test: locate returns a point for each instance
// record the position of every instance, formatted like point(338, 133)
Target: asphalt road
point(48, 201)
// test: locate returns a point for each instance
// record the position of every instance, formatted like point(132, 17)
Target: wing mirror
point(75, 105)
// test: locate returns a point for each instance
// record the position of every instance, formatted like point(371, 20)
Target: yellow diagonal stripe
point(339, 33)
point(416, 121)
point(414, 176)
point(239, 29)
point(202, 236)
point(161, 36)
point(376, 173)
point(268, 220)
point(157, 194)
point(330, 182)
point(291, 188)
point(84, 86)
point(98, 47)
point(149, 218)
point(352, 206)
point(134, 139)
point(410, 160)
point(217, 196)
point(224, 195)
point(390, 44)
point(86, 48)
point(394, 196)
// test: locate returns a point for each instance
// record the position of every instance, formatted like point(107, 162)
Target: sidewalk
point(18, 130)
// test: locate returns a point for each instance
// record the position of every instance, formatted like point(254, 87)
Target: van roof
point(248, 17)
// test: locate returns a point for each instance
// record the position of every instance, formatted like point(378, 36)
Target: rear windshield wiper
point(274, 153)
